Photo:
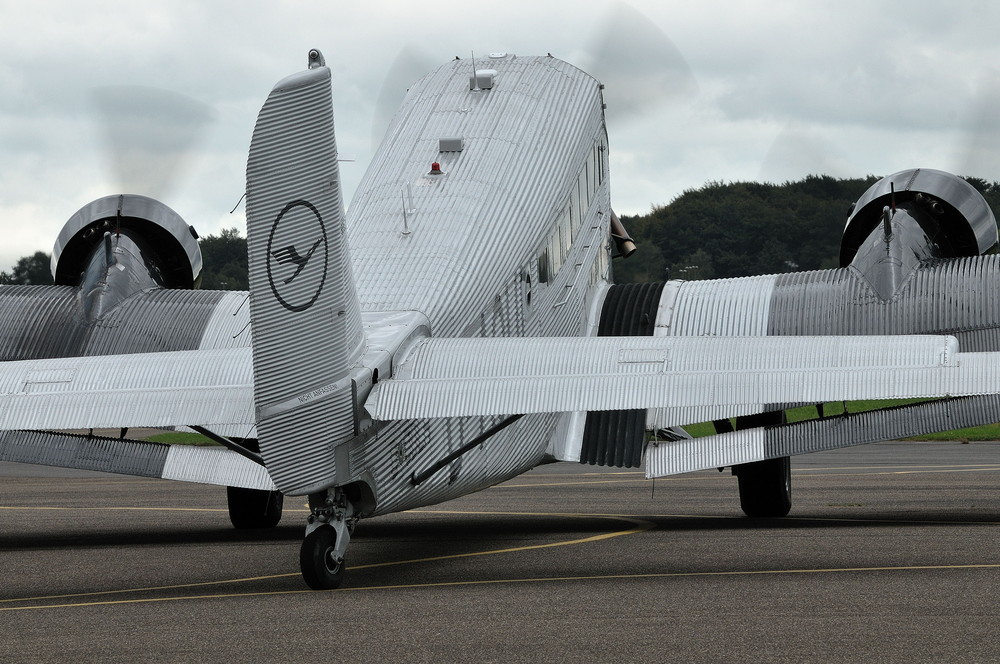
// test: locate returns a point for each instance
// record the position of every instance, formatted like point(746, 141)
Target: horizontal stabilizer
point(696, 379)
point(187, 463)
point(759, 443)
point(203, 387)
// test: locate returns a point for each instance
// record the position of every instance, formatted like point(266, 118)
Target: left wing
point(200, 387)
point(212, 388)
point(141, 458)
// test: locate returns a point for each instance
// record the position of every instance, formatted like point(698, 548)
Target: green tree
point(33, 270)
point(224, 261)
point(742, 228)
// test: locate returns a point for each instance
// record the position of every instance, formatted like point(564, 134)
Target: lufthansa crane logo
point(297, 256)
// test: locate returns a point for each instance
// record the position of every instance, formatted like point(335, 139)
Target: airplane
point(460, 326)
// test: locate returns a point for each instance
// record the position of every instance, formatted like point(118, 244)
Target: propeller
point(638, 63)
point(635, 59)
point(408, 66)
point(150, 135)
point(797, 151)
point(981, 139)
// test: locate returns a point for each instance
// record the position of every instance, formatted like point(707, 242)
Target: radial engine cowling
point(965, 225)
point(169, 245)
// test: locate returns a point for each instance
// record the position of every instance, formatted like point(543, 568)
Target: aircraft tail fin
point(307, 331)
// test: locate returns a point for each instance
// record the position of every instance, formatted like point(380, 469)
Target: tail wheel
point(766, 487)
point(321, 568)
point(254, 508)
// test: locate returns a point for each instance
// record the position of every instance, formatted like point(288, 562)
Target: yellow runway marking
point(640, 525)
point(528, 580)
point(927, 471)
point(987, 466)
point(138, 590)
point(112, 509)
point(130, 509)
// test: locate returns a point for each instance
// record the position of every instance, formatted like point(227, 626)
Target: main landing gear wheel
point(322, 568)
point(254, 508)
point(765, 487)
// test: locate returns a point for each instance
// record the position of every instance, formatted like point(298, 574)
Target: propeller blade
point(980, 142)
point(410, 64)
point(638, 63)
point(150, 135)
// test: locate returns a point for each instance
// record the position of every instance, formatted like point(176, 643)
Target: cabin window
point(565, 232)
point(555, 254)
point(543, 267)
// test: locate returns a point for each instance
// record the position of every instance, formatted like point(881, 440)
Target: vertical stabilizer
point(307, 332)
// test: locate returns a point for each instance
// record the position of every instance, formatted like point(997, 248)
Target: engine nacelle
point(617, 437)
point(169, 244)
point(966, 226)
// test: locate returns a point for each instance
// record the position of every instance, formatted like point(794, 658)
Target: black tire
point(316, 560)
point(766, 487)
point(254, 508)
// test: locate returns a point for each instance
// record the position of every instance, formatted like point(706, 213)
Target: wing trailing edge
point(756, 444)
point(186, 463)
point(692, 379)
point(207, 387)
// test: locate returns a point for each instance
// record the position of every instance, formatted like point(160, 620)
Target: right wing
point(693, 379)
point(770, 442)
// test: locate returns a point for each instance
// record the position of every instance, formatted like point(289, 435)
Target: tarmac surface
point(890, 554)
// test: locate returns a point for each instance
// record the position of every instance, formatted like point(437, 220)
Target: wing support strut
point(418, 479)
point(229, 444)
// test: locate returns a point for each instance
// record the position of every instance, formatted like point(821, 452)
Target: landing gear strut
point(328, 533)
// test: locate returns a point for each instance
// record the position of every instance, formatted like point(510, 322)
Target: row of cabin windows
point(556, 250)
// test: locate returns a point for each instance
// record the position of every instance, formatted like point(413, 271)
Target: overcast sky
point(697, 91)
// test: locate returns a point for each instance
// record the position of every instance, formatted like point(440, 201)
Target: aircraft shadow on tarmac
point(437, 534)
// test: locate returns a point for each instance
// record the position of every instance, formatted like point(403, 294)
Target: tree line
point(749, 228)
point(718, 230)
point(224, 264)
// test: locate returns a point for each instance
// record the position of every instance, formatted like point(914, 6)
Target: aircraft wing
point(160, 357)
point(39, 322)
point(693, 378)
point(205, 387)
point(141, 458)
point(770, 442)
point(212, 388)
point(690, 378)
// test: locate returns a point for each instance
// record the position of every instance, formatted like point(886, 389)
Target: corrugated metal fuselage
point(510, 238)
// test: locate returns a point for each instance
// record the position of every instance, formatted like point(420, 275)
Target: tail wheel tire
point(317, 559)
point(254, 508)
